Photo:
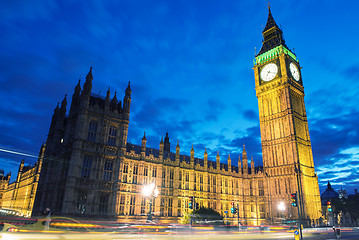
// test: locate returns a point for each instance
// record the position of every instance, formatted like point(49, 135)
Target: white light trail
point(18, 153)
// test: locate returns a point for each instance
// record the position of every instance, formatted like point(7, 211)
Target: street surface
point(315, 234)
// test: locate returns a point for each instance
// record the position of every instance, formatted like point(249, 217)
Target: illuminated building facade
point(90, 169)
point(286, 146)
point(83, 154)
point(20, 195)
point(4, 182)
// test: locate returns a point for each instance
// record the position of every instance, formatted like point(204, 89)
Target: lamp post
point(150, 191)
point(281, 207)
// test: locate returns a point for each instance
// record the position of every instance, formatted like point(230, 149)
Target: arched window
point(112, 133)
point(86, 167)
point(91, 136)
point(107, 175)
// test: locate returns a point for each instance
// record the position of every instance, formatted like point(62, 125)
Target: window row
point(86, 168)
point(92, 132)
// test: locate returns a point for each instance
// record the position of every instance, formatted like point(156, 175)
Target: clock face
point(294, 71)
point(269, 72)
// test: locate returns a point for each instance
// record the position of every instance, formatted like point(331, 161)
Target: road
point(215, 235)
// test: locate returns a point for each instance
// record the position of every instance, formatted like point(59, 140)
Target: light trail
point(17, 153)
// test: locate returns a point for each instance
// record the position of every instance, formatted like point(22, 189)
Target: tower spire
point(88, 83)
point(272, 34)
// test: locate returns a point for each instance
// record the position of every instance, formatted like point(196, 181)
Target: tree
point(186, 218)
point(208, 215)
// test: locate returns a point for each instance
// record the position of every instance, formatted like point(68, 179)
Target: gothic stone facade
point(4, 182)
point(90, 169)
point(20, 195)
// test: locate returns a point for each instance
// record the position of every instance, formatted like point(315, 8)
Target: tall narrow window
point(107, 173)
point(143, 206)
point(135, 169)
point(86, 167)
point(132, 205)
point(91, 136)
point(103, 204)
point(170, 203)
point(112, 133)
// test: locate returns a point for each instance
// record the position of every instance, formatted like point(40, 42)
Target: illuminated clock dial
point(269, 72)
point(294, 71)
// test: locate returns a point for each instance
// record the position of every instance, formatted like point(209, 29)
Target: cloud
point(250, 115)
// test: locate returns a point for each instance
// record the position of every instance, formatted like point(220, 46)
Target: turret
point(161, 147)
point(127, 102)
point(114, 103)
point(245, 160)
point(229, 161)
point(20, 171)
point(192, 155)
point(41, 157)
point(78, 88)
point(177, 151)
point(54, 119)
point(75, 97)
point(218, 161)
point(205, 158)
point(62, 112)
point(239, 165)
point(252, 166)
point(108, 99)
point(167, 144)
point(88, 84)
point(144, 141)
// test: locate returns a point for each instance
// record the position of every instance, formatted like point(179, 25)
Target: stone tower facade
point(83, 151)
point(287, 152)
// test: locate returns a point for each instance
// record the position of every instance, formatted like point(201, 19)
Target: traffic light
point(329, 206)
point(233, 209)
point(294, 199)
point(190, 204)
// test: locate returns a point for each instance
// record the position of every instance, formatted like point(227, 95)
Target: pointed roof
point(64, 102)
point(272, 35)
point(270, 21)
point(128, 89)
point(78, 87)
point(244, 152)
point(89, 76)
point(114, 99)
point(144, 136)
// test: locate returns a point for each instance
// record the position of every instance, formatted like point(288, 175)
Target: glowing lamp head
point(281, 206)
point(149, 189)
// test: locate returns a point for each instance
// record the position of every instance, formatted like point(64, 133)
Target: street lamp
point(281, 207)
point(150, 191)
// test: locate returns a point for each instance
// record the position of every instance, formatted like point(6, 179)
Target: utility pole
point(238, 214)
point(299, 197)
point(299, 221)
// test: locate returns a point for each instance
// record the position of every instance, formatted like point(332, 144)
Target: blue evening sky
point(190, 66)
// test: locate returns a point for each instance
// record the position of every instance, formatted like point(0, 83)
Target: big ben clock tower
point(287, 152)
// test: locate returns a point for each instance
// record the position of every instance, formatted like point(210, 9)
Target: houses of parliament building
point(88, 168)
